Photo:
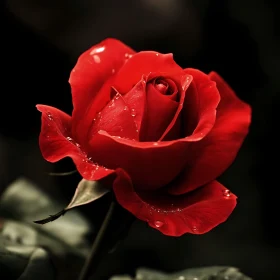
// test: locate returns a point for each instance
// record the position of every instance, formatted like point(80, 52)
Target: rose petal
point(199, 109)
point(94, 67)
point(151, 165)
point(136, 101)
point(143, 63)
point(56, 143)
point(117, 119)
point(196, 213)
point(172, 132)
point(209, 158)
point(159, 113)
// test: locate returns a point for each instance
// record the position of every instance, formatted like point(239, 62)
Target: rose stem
point(93, 255)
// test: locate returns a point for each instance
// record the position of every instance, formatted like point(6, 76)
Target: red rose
point(166, 132)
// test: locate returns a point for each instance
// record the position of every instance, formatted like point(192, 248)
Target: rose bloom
point(164, 132)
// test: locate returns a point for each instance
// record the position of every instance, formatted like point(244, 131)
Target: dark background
point(238, 39)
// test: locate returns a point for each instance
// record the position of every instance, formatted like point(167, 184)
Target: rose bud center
point(166, 87)
point(162, 87)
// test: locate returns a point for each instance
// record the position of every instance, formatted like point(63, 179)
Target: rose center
point(162, 87)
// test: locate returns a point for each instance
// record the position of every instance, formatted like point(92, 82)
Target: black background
point(41, 41)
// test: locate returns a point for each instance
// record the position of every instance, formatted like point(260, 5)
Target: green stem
point(92, 260)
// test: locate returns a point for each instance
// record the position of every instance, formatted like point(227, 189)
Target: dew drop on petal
point(98, 117)
point(50, 117)
point(127, 55)
point(113, 71)
point(194, 228)
point(97, 50)
point(69, 139)
point(133, 112)
point(96, 58)
point(125, 108)
point(227, 193)
point(158, 224)
point(155, 143)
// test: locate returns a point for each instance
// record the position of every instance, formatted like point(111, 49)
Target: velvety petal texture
point(56, 142)
point(165, 134)
point(197, 212)
point(210, 157)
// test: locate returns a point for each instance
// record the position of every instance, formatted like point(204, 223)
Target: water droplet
point(90, 158)
point(69, 139)
point(98, 116)
point(127, 55)
point(133, 112)
point(158, 224)
point(155, 143)
point(194, 228)
point(117, 96)
point(96, 58)
point(50, 117)
point(157, 54)
point(97, 50)
point(112, 104)
point(125, 108)
point(113, 71)
point(227, 193)
point(77, 145)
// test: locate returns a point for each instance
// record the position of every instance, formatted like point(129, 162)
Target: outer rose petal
point(210, 157)
point(196, 213)
point(94, 67)
point(56, 143)
point(151, 165)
